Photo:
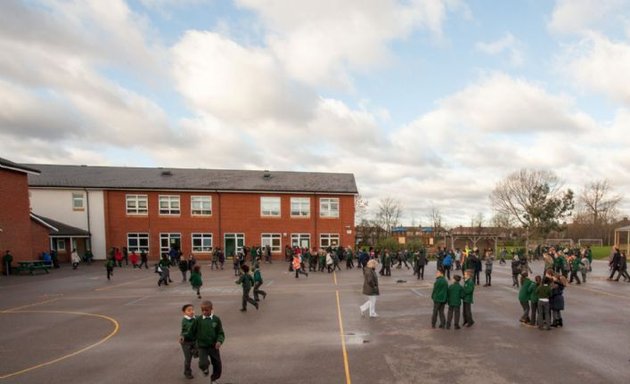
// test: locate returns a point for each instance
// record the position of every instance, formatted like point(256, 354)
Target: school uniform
point(188, 344)
point(523, 298)
point(469, 289)
point(439, 297)
point(207, 331)
point(455, 294)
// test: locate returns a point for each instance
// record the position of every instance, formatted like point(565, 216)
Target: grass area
point(601, 252)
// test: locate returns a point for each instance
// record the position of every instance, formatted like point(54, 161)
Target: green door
point(233, 242)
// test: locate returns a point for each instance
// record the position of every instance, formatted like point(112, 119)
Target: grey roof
point(63, 230)
point(4, 163)
point(81, 176)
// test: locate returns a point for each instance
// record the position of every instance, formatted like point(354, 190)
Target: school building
point(195, 210)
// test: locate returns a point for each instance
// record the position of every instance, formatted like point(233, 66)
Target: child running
point(195, 280)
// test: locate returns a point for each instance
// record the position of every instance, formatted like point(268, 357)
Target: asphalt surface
point(76, 327)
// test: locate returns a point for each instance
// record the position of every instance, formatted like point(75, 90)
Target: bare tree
point(389, 212)
point(501, 220)
point(477, 220)
point(435, 219)
point(597, 203)
point(360, 209)
point(534, 199)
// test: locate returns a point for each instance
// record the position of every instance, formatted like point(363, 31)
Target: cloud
point(323, 42)
point(597, 63)
point(577, 16)
point(507, 43)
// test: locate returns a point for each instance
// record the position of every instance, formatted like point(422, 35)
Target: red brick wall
point(231, 213)
point(15, 218)
point(40, 239)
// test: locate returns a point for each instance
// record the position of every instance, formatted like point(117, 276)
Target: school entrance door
point(232, 243)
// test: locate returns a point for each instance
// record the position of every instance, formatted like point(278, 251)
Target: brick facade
point(21, 235)
point(232, 212)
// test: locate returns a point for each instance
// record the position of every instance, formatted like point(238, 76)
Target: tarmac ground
point(75, 326)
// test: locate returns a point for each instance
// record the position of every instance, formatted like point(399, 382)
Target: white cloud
point(600, 64)
point(322, 42)
point(576, 16)
point(507, 43)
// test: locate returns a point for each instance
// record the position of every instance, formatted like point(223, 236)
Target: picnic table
point(33, 265)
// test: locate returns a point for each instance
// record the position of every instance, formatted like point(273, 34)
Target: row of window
point(203, 242)
point(202, 206)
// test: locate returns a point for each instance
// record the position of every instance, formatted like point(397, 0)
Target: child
point(236, 264)
point(544, 292)
point(586, 266)
point(297, 265)
point(455, 295)
point(556, 300)
point(207, 331)
point(469, 289)
point(533, 299)
point(523, 297)
point(195, 280)
point(183, 268)
point(258, 281)
point(439, 297)
point(109, 265)
point(246, 280)
point(187, 343)
point(134, 259)
point(163, 269)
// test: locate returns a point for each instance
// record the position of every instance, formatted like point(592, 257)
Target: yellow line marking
point(343, 342)
point(29, 305)
point(335, 277)
point(116, 327)
point(600, 292)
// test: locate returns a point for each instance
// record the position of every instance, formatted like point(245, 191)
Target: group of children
point(542, 300)
point(202, 337)
point(453, 295)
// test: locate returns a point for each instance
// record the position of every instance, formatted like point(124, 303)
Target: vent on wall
point(266, 174)
point(167, 173)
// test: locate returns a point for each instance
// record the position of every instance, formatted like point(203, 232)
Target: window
point(169, 205)
point(273, 240)
point(302, 240)
point(78, 202)
point(270, 206)
point(168, 241)
point(328, 240)
point(202, 242)
point(300, 207)
point(137, 204)
point(329, 207)
point(61, 245)
point(201, 205)
point(138, 242)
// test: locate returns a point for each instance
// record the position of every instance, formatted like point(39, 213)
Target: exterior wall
point(231, 213)
point(57, 205)
point(15, 220)
point(40, 241)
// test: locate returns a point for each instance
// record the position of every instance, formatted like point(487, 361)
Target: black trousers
point(525, 306)
point(468, 314)
point(438, 310)
point(215, 360)
point(258, 291)
point(451, 311)
point(187, 350)
point(247, 299)
point(574, 275)
point(488, 278)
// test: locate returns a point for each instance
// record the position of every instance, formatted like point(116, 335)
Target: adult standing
point(422, 261)
point(439, 297)
point(7, 259)
point(469, 289)
point(370, 289)
point(615, 262)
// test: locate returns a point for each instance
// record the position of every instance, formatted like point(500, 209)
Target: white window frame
point(136, 207)
point(326, 240)
point(140, 238)
point(168, 236)
point(172, 205)
point(78, 201)
point(270, 206)
point(198, 242)
point(198, 203)
point(297, 238)
point(326, 207)
point(61, 245)
point(269, 239)
point(301, 207)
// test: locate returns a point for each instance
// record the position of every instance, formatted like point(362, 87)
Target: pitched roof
point(59, 229)
point(82, 176)
point(6, 164)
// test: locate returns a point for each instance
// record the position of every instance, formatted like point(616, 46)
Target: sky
point(428, 102)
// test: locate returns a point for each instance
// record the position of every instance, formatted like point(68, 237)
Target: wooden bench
point(31, 266)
